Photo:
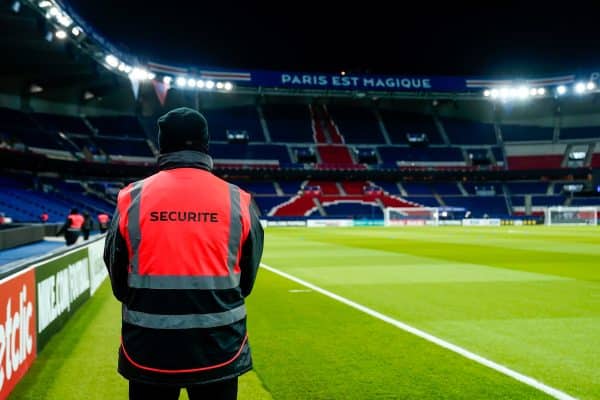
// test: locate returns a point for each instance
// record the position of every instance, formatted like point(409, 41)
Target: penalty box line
point(557, 394)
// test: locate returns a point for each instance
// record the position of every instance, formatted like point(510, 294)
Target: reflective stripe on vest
point(184, 321)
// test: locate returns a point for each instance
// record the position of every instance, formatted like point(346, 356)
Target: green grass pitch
point(524, 297)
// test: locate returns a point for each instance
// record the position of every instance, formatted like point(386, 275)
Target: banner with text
point(17, 328)
point(357, 82)
point(62, 286)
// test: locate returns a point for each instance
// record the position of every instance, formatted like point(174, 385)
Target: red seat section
point(327, 188)
point(534, 162)
point(331, 154)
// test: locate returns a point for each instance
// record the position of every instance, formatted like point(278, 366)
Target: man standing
point(182, 252)
point(103, 219)
point(72, 227)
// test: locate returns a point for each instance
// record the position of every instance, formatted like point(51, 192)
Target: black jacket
point(157, 346)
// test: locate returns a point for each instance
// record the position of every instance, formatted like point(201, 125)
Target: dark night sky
point(515, 39)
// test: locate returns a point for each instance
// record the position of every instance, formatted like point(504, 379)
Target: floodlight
point(210, 84)
point(167, 80)
point(487, 93)
point(228, 86)
point(191, 82)
point(111, 60)
point(580, 88)
point(220, 85)
point(60, 34)
point(180, 81)
point(561, 90)
point(590, 86)
point(523, 92)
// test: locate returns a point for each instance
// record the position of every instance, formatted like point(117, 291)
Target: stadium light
point(210, 84)
point(487, 93)
point(60, 34)
point(228, 86)
point(561, 90)
point(580, 88)
point(64, 20)
point(191, 83)
point(76, 31)
point(200, 84)
point(141, 74)
point(220, 85)
point(167, 80)
point(504, 92)
point(44, 4)
point(54, 12)
point(541, 91)
point(590, 86)
point(494, 93)
point(523, 92)
point(180, 81)
point(112, 61)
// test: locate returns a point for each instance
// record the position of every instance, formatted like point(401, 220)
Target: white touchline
point(557, 394)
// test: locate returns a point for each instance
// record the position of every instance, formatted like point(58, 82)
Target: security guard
point(103, 220)
point(72, 227)
point(182, 252)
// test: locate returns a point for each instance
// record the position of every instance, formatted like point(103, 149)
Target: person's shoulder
point(130, 188)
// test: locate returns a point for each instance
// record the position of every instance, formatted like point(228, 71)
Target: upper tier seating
point(469, 132)
point(398, 124)
point(221, 120)
point(522, 133)
point(357, 124)
point(118, 126)
point(288, 123)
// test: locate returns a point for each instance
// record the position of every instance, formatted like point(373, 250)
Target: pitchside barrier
point(349, 222)
point(37, 299)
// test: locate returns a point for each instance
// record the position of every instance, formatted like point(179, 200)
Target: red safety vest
point(103, 218)
point(76, 221)
point(184, 230)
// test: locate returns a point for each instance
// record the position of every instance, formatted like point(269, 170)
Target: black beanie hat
point(182, 129)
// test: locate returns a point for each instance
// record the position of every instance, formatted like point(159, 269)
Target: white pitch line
point(557, 394)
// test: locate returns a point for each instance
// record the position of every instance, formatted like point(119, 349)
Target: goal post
point(415, 216)
point(571, 216)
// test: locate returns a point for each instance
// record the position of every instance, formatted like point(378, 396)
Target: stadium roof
point(379, 37)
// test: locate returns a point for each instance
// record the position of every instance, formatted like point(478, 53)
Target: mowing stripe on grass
point(557, 394)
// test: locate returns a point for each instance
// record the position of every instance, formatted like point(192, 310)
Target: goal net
point(401, 216)
point(571, 216)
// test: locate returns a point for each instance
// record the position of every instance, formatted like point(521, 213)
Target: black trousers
point(222, 390)
point(71, 237)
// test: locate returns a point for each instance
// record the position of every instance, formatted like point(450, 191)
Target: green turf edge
point(80, 361)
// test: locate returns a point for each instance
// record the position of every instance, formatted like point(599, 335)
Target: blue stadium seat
point(588, 132)
point(469, 132)
point(221, 120)
point(522, 133)
point(398, 124)
point(289, 123)
point(356, 124)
